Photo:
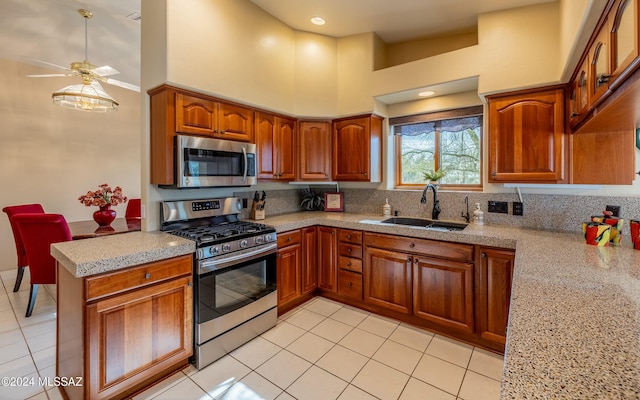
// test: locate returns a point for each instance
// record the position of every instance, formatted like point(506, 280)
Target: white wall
point(50, 155)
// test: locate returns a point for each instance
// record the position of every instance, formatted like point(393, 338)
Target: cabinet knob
point(409, 260)
point(349, 250)
point(348, 236)
point(493, 173)
point(575, 114)
point(190, 284)
point(412, 245)
point(288, 239)
point(147, 275)
point(483, 255)
point(415, 260)
point(348, 263)
point(223, 131)
point(349, 284)
point(215, 131)
point(365, 174)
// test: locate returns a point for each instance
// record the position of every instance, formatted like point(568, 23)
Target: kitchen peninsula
point(573, 328)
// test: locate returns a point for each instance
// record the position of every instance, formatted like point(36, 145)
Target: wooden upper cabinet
point(579, 96)
point(314, 151)
point(201, 115)
point(235, 122)
point(526, 136)
point(357, 149)
point(599, 66)
point(195, 115)
point(275, 142)
point(624, 19)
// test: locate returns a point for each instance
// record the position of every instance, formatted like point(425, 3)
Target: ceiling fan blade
point(46, 75)
point(105, 71)
point(122, 84)
point(36, 61)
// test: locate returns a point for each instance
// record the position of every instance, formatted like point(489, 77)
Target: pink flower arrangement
point(104, 196)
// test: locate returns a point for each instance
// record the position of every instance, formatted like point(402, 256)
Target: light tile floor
point(321, 350)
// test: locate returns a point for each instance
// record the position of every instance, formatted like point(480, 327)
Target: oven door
point(234, 291)
point(207, 162)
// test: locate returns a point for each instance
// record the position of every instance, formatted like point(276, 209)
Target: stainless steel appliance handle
point(222, 262)
point(246, 163)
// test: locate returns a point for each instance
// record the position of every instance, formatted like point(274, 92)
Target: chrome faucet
point(436, 204)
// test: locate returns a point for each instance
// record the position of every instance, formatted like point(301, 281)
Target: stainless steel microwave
point(209, 162)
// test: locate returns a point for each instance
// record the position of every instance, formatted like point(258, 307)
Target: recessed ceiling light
point(318, 21)
point(426, 93)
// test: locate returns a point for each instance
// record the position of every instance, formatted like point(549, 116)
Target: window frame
point(431, 117)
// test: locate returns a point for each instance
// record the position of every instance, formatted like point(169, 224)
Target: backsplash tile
point(541, 211)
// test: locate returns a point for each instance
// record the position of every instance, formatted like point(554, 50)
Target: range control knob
point(268, 238)
point(214, 250)
point(243, 244)
point(259, 240)
point(226, 247)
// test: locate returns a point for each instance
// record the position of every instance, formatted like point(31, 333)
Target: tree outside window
point(451, 144)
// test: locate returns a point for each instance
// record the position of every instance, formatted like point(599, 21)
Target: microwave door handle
point(246, 163)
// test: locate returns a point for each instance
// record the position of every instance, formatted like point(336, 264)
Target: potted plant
point(433, 176)
point(311, 201)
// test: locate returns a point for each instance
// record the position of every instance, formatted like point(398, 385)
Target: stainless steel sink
point(430, 224)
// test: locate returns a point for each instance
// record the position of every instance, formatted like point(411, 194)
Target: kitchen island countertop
point(574, 321)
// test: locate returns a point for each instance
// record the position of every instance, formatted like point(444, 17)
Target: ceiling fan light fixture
point(85, 97)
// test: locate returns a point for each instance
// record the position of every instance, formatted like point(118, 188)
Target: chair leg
point(32, 299)
point(16, 287)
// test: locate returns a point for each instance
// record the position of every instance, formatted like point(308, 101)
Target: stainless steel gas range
point(235, 295)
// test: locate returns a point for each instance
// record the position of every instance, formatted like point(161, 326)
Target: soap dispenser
point(478, 215)
point(386, 208)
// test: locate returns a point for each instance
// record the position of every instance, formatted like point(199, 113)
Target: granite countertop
point(574, 322)
point(108, 253)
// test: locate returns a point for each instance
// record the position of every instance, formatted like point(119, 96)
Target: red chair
point(21, 254)
point(133, 209)
point(38, 231)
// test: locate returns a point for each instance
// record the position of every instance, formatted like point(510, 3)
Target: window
point(450, 141)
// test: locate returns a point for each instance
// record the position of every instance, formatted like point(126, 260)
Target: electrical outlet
point(245, 203)
point(518, 208)
point(501, 207)
point(614, 209)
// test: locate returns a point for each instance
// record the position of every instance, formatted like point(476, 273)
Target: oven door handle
point(246, 163)
point(205, 266)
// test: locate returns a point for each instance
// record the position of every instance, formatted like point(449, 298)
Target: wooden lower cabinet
point(494, 276)
point(288, 270)
point(327, 259)
point(125, 330)
point(387, 279)
point(443, 292)
point(309, 260)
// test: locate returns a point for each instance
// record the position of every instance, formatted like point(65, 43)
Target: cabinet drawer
point(288, 238)
point(433, 248)
point(350, 250)
point(351, 264)
point(350, 284)
point(350, 236)
point(135, 277)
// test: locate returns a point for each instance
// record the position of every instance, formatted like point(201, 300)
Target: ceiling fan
point(89, 73)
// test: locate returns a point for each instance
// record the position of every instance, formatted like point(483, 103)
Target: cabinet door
point(309, 260)
point(133, 336)
point(264, 134)
point(351, 149)
point(599, 70)
point(327, 258)
point(494, 293)
point(195, 115)
point(387, 279)
point(443, 292)
point(288, 276)
point(285, 149)
point(235, 123)
point(526, 137)
point(314, 146)
point(624, 37)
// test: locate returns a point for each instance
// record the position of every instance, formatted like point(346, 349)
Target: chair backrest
point(38, 231)
point(133, 209)
point(21, 209)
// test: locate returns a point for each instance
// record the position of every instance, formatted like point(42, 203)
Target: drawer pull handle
point(147, 275)
point(412, 245)
point(349, 250)
point(349, 284)
point(348, 263)
point(288, 239)
point(348, 236)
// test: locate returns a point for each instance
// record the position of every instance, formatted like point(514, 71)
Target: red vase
point(104, 216)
